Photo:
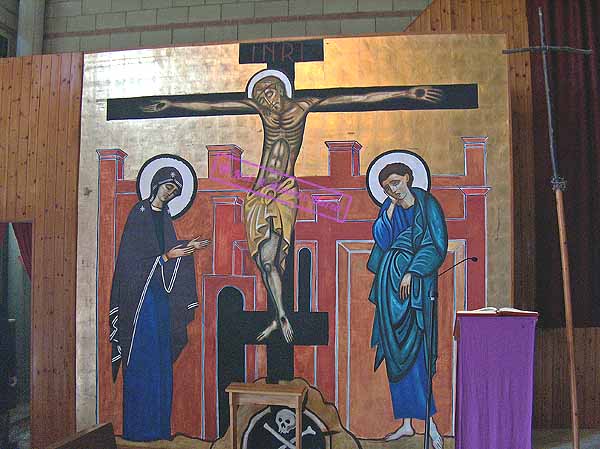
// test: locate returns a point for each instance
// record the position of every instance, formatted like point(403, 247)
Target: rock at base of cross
point(337, 436)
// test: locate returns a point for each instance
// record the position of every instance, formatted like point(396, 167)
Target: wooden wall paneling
point(552, 394)
point(476, 16)
point(425, 21)
point(21, 166)
point(540, 366)
point(486, 14)
point(546, 368)
point(552, 405)
point(5, 71)
point(45, 316)
point(552, 381)
point(581, 354)
point(38, 326)
point(416, 21)
point(435, 17)
point(498, 15)
point(13, 138)
point(590, 378)
point(559, 379)
point(588, 403)
point(561, 396)
point(554, 384)
point(52, 318)
point(454, 12)
point(593, 403)
point(445, 15)
point(34, 107)
point(38, 145)
point(538, 394)
point(70, 229)
point(464, 18)
point(62, 362)
point(595, 406)
point(516, 8)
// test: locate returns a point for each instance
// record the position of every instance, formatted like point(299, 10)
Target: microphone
point(434, 293)
point(472, 259)
point(433, 297)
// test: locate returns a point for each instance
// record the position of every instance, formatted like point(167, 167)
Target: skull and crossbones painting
point(286, 420)
point(275, 428)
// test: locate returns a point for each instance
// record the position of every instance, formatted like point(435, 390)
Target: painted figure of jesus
point(270, 209)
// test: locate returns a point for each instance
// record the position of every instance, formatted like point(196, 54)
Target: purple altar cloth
point(494, 381)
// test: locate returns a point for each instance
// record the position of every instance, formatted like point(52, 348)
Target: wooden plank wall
point(510, 17)
point(39, 164)
point(552, 397)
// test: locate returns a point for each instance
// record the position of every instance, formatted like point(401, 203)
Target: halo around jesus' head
point(183, 173)
point(420, 170)
point(266, 73)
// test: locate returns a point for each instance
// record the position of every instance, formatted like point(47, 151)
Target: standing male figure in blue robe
point(411, 243)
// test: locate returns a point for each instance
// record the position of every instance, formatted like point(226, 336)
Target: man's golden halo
point(417, 164)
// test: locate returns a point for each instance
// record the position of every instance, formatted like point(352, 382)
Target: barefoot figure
point(270, 210)
point(410, 245)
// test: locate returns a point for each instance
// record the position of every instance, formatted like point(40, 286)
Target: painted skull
point(286, 420)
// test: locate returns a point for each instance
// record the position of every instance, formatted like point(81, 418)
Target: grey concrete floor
point(19, 435)
point(542, 439)
point(561, 438)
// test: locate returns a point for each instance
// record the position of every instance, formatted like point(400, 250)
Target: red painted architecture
point(334, 223)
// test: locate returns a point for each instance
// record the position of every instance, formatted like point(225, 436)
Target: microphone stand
point(433, 295)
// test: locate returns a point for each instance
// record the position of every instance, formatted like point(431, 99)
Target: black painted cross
point(237, 328)
point(284, 56)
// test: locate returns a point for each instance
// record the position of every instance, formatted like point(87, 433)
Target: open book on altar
point(494, 355)
point(491, 311)
point(504, 311)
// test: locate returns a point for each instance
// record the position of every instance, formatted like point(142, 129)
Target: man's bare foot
point(436, 439)
point(264, 334)
point(286, 329)
point(406, 430)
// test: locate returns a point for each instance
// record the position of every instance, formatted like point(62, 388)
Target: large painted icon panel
point(298, 279)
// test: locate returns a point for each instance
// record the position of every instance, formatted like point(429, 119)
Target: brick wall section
point(8, 23)
point(96, 25)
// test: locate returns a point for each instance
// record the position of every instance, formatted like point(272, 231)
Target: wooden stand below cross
point(291, 396)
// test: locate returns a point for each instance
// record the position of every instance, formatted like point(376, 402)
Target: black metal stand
point(433, 299)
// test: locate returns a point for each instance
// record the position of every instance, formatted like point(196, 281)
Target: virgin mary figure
point(152, 301)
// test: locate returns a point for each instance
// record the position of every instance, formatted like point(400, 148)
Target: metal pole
point(429, 349)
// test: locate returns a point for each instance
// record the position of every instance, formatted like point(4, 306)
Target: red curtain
point(24, 238)
point(575, 85)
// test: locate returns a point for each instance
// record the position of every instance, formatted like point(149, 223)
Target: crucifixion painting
point(282, 293)
point(270, 209)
